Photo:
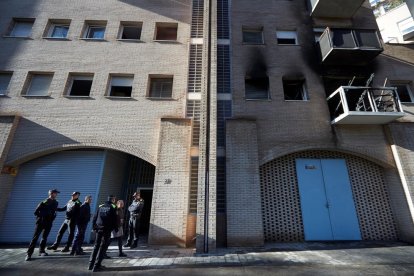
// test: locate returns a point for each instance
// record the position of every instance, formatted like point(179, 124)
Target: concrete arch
point(57, 147)
point(364, 153)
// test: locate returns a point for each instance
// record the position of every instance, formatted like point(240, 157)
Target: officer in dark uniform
point(45, 214)
point(82, 223)
point(104, 222)
point(135, 211)
point(72, 209)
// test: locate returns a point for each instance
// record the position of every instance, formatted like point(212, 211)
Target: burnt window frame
point(304, 91)
point(248, 78)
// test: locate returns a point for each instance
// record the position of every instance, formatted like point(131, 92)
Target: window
point(405, 93)
point(95, 30)
point(38, 84)
point(287, 37)
point(121, 86)
point(57, 29)
point(256, 87)
point(130, 30)
point(21, 27)
point(80, 85)
point(253, 35)
point(161, 87)
point(318, 32)
point(294, 90)
point(166, 31)
point(4, 82)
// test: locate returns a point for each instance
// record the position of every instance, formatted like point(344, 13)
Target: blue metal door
point(328, 208)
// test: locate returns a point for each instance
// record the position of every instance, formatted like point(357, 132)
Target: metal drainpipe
point(207, 168)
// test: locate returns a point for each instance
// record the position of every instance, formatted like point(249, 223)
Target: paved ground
point(284, 259)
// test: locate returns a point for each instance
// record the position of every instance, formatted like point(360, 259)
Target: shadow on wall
point(161, 236)
point(10, 47)
point(32, 138)
point(171, 8)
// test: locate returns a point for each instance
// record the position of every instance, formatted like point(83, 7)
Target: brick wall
point(244, 219)
point(172, 183)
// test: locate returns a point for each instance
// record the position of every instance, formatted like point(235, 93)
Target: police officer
point(72, 209)
point(135, 211)
point(45, 214)
point(82, 223)
point(104, 222)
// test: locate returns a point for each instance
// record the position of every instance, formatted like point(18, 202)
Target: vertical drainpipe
point(207, 167)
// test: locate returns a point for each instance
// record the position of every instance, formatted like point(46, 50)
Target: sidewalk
point(363, 258)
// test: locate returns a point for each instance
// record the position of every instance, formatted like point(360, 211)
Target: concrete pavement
point(362, 258)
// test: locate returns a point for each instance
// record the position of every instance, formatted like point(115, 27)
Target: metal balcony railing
point(335, 8)
point(364, 105)
point(349, 46)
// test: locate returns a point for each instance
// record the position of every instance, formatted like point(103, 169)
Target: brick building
point(283, 121)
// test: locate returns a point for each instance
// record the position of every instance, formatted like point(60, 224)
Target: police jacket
point(72, 209)
point(135, 209)
point(84, 214)
point(105, 217)
point(46, 209)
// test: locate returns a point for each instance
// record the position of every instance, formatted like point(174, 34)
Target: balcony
point(364, 105)
point(335, 8)
point(349, 46)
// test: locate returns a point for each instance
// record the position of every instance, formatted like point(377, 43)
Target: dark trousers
point(79, 237)
point(133, 233)
point(119, 241)
point(42, 225)
point(67, 224)
point(102, 240)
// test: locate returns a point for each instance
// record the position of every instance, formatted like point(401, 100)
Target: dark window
point(161, 87)
point(404, 92)
point(294, 90)
point(166, 31)
point(253, 36)
point(80, 87)
point(131, 32)
point(287, 37)
point(257, 88)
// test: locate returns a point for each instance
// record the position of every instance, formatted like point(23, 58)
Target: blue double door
point(326, 197)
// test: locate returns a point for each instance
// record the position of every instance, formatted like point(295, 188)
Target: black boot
point(128, 244)
point(90, 267)
point(52, 247)
point(134, 244)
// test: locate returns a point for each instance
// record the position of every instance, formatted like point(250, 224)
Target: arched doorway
point(90, 171)
point(281, 199)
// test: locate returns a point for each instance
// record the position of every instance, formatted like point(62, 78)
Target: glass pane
point(161, 88)
point(60, 31)
point(22, 29)
point(367, 39)
point(254, 37)
point(342, 38)
point(4, 82)
point(403, 92)
point(39, 85)
point(96, 32)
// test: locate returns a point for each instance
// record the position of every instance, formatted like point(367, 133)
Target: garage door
point(67, 171)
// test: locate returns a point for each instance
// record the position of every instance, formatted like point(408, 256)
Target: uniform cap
point(54, 191)
point(76, 193)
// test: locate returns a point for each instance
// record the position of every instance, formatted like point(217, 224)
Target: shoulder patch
point(101, 205)
point(113, 205)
